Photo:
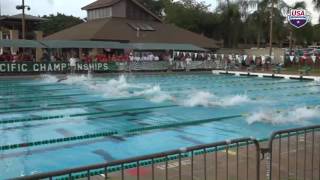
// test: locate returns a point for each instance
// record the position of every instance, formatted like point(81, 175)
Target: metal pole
point(23, 21)
point(0, 8)
point(271, 27)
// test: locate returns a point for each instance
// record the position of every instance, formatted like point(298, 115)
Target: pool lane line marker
point(81, 114)
point(256, 84)
point(281, 88)
point(43, 97)
point(304, 94)
point(42, 91)
point(30, 86)
point(171, 125)
point(75, 103)
point(99, 118)
point(59, 140)
point(110, 133)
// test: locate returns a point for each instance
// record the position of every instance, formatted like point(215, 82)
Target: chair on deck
point(305, 70)
point(278, 69)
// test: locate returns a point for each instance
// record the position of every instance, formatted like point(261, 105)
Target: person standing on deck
point(72, 63)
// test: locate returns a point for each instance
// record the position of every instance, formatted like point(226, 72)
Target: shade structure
point(84, 44)
point(21, 44)
point(166, 46)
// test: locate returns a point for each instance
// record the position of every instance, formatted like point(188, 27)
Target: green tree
point(231, 23)
point(156, 6)
point(316, 33)
point(58, 22)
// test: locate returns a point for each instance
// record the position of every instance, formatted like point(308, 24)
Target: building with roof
point(128, 21)
point(10, 26)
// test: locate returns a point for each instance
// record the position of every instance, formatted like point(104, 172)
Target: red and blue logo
point(298, 18)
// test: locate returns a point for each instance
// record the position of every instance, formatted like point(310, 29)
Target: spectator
point(72, 63)
point(45, 57)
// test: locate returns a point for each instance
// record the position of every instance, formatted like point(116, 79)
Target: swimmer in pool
point(62, 79)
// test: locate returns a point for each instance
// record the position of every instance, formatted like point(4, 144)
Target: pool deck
point(271, 75)
point(300, 168)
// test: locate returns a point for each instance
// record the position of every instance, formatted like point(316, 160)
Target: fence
point(294, 154)
point(216, 161)
point(289, 154)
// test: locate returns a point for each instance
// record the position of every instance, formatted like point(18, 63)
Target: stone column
point(80, 53)
point(14, 35)
point(39, 51)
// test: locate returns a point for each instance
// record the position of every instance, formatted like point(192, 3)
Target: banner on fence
point(31, 67)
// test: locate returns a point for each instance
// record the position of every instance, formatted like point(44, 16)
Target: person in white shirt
point(72, 63)
point(137, 58)
point(150, 57)
point(131, 57)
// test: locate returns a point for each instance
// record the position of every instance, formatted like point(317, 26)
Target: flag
point(291, 58)
point(314, 58)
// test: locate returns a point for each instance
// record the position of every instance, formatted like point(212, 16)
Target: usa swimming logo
point(298, 18)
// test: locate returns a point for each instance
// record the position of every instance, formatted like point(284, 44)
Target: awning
point(166, 46)
point(21, 44)
point(84, 44)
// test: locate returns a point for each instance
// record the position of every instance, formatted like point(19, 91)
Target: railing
point(215, 161)
point(294, 154)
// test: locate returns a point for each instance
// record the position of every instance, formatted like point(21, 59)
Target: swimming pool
point(46, 125)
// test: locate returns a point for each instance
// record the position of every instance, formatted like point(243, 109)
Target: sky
point(73, 7)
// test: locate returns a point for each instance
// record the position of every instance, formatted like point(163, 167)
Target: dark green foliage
point(58, 22)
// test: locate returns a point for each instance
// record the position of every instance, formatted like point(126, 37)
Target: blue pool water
point(165, 111)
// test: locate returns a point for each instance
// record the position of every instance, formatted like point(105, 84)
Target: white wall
point(99, 13)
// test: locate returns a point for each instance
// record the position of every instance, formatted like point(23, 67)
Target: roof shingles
point(117, 29)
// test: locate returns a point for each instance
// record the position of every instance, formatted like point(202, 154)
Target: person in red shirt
point(87, 59)
point(99, 58)
point(2, 56)
point(113, 58)
point(125, 58)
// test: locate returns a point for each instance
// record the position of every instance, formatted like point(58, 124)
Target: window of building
point(141, 26)
point(99, 13)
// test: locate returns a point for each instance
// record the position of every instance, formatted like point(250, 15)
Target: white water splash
point(75, 79)
point(235, 100)
point(207, 99)
point(216, 72)
point(120, 87)
point(46, 78)
point(115, 87)
point(155, 94)
point(286, 77)
point(296, 115)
